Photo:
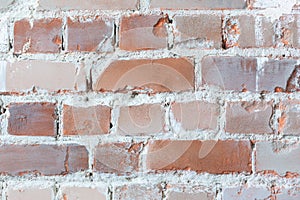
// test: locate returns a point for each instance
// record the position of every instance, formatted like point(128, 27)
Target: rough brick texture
point(141, 120)
point(44, 36)
point(202, 156)
point(44, 75)
point(32, 119)
point(94, 120)
point(149, 99)
point(95, 35)
point(163, 75)
point(139, 32)
point(42, 159)
point(120, 158)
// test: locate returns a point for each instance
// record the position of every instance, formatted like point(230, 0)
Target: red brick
point(120, 158)
point(147, 119)
point(93, 120)
point(241, 31)
point(88, 4)
point(290, 31)
point(5, 3)
point(44, 36)
point(138, 32)
point(42, 159)
point(216, 157)
point(248, 117)
point(81, 193)
point(196, 115)
point(275, 73)
point(30, 194)
point(138, 192)
point(46, 75)
point(90, 35)
point(290, 118)
point(278, 157)
point(33, 119)
point(194, 4)
point(237, 193)
point(196, 31)
point(168, 74)
point(230, 73)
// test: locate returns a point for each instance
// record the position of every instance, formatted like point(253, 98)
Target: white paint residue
point(2, 75)
point(282, 7)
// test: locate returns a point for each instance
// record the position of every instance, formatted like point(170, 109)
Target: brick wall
point(149, 99)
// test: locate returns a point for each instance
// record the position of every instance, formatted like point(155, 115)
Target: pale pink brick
point(194, 4)
point(290, 118)
point(147, 119)
point(248, 117)
point(277, 157)
point(251, 193)
point(88, 4)
point(51, 76)
point(30, 194)
point(83, 193)
point(174, 195)
point(196, 115)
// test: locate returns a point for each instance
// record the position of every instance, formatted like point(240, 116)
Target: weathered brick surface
point(90, 35)
point(81, 193)
point(193, 4)
point(290, 30)
point(248, 117)
point(198, 31)
point(30, 194)
point(138, 192)
point(44, 36)
point(32, 119)
point(141, 120)
point(42, 159)
point(119, 158)
point(216, 157)
point(162, 75)
point(290, 118)
point(277, 157)
point(46, 75)
point(196, 115)
point(139, 32)
point(236, 193)
point(94, 120)
point(88, 4)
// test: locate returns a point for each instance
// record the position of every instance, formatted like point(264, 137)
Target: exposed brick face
point(199, 31)
point(32, 119)
point(277, 157)
point(42, 159)
point(214, 157)
point(44, 75)
point(120, 158)
point(94, 120)
point(30, 193)
point(141, 120)
point(44, 36)
point(88, 4)
point(84, 193)
point(248, 117)
point(162, 75)
point(290, 118)
point(139, 32)
point(192, 4)
point(95, 35)
point(196, 115)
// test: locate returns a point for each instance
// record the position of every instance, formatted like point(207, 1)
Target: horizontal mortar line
point(103, 98)
point(182, 177)
point(160, 53)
